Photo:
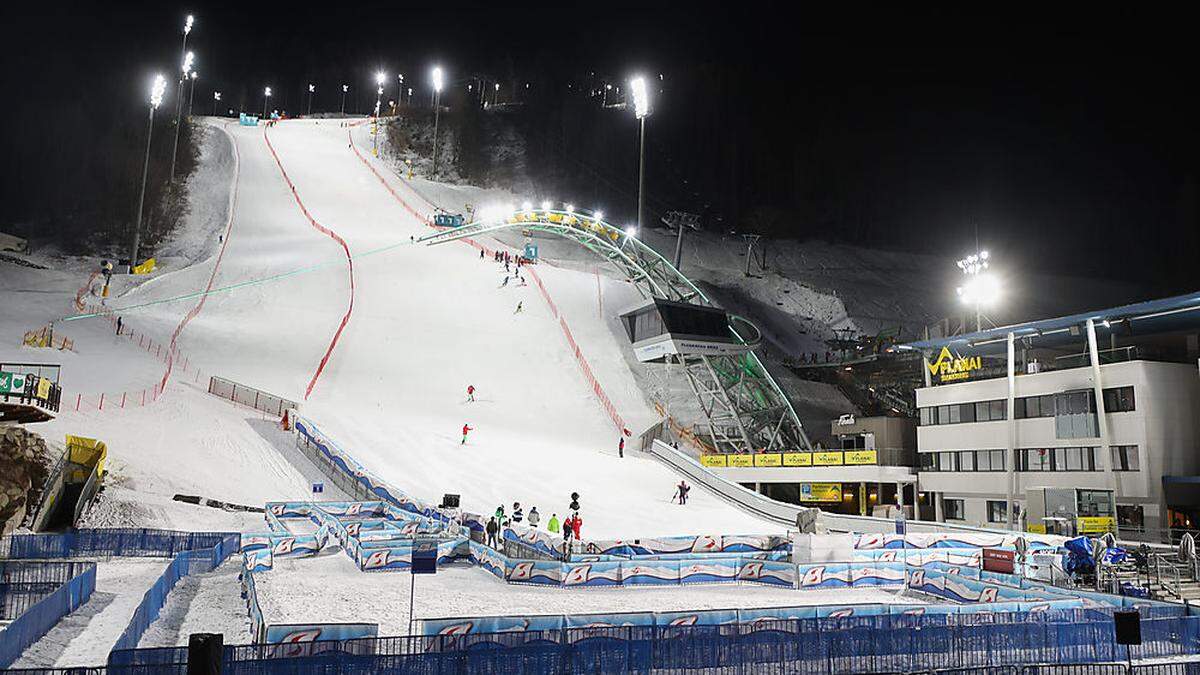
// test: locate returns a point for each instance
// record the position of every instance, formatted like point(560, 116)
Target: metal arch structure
point(746, 411)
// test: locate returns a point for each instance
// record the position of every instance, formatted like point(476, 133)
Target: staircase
point(1173, 580)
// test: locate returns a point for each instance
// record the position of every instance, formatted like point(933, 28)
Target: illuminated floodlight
point(187, 25)
point(380, 77)
point(156, 90)
point(437, 79)
point(188, 59)
point(527, 206)
point(631, 231)
point(267, 91)
point(497, 86)
point(980, 290)
point(641, 99)
point(194, 74)
point(379, 91)
point(345, 88)
point(311, 88)
point(599, 215)
point(216, 96)
point(546, 205)
point(570, 208)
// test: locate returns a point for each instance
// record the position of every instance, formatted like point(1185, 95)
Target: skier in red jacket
point(576, 523)
point(470, 392)
point(466, 430)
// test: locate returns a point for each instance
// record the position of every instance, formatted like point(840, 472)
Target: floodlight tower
point(266, 96)
point(216, 99)
point(380, 78)
point(345, 88)
point(186, 58)
point(641, 109)
point(311, 88)
point(980, 287)
point(437, 109)
point(192, 92)
point(156, 94)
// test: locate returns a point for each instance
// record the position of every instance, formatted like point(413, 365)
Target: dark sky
point(1065, 139)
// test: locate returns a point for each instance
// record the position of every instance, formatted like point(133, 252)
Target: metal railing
point(255, 398)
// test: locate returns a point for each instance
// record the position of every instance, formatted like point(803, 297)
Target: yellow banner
point(43, 388)
point(741, 460)
point(768, 459)
point(1096, 524)
point(797, 459)
point(827, 458)
point(1035, 528)
point(860, 457)
point(820, 492)
point(713, 460)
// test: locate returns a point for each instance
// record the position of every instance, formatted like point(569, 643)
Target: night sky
point(1065, 141)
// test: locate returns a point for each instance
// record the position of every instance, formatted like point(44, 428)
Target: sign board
point(1096, 524)
point(860, 457)
point(797, 459)
point(11, 383)
point(954, 367)
point(901, 525)
point(744, 461)
point(714, 460)
point(424, 556)
point(531, 251)
point(768, 459)
point(999, 560)
point(820, 492)
point(827, 458)
point(318, 488)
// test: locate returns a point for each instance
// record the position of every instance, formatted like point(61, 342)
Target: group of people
point(500, 520)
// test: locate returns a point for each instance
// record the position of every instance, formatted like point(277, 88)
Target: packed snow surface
point(330, 587)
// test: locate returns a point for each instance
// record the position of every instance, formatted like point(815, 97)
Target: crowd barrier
point(861, 644)
point(195, 561)
point(133, 542)
point(249, 396)
point(31, 620)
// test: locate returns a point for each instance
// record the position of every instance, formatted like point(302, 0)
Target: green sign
point(11, 383)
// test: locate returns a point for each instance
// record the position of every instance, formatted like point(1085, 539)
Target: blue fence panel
point(41, 617)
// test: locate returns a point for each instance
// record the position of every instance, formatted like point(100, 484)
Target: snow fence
point(34, 596)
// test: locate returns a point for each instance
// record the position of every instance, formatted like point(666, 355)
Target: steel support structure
point(745, 409)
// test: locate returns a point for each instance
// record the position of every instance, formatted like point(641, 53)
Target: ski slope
point(425, 323)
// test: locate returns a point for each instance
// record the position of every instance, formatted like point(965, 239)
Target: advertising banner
point(797, 459)
point(714, 461)
point(654, 573)
point(709, 571)
point(828, 458)
point(820, 492)
point(294, 633)
point(768, 459)
point(860, 457)
point(740, 461)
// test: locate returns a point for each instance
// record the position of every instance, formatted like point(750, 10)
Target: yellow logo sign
point(950, 367)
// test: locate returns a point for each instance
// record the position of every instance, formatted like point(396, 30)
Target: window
point(928, 461)
point(943, 414)
point(1046, 403)
point(1036, 459)
point(952, 509)
point(997, 511)
point(946, 462)
point(1118, 399)
point(966, 460)
point(1130, 517)
point(955, 414)
point(981, 412)
point(927, 416)
point(999, 409)
point(1125, 458)
point(997, 460)
point(983, 460)
point(1068, 459)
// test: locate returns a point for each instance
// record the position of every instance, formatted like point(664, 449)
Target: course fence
point(249, 396)
point(949, 643)
point(37, 618)
point(184, 563)
point(134, 542)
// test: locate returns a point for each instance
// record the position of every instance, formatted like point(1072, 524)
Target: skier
point(470, 392)
point(686, 489)
point(534, 517)
point(505, 265)
point(576, 524)
point(621, 447)
point(505, 281)
point(119, 324)
point(567, 532)
point(492, 529)
point(466, 430)
point(552, 524)
point(680, 492)
point(481, 254)
point(519, 305)
point(517, 514)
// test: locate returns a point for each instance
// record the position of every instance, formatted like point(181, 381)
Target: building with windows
point(1106, 403)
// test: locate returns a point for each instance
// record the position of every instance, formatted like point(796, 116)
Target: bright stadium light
point(380, 77)
point(186, 57)
point(192, 92)
point(187, 25)
point(156, 95)
point(437, 110)
point(266, 95)
point(599, 215)
point(546, 205)
point(641, 99)
point(570, 208)
point(641, 110)
point(216, 100)
point(527, 206)
point(981, 288)
point(631, 231)
point(311, 89)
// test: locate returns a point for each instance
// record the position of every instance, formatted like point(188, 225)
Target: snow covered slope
point(425, 323)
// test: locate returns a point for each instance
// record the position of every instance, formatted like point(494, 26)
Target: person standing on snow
point(470, 392)
point(120, 323)
point(621, 447)
point(519, 305)
point(481, 254)
point(505, 281)
point(492, 529)
point(517, 514)
point(534, 517)
point(552, 524)
point(466, 430)
point(680, 491)
point(576, 524)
